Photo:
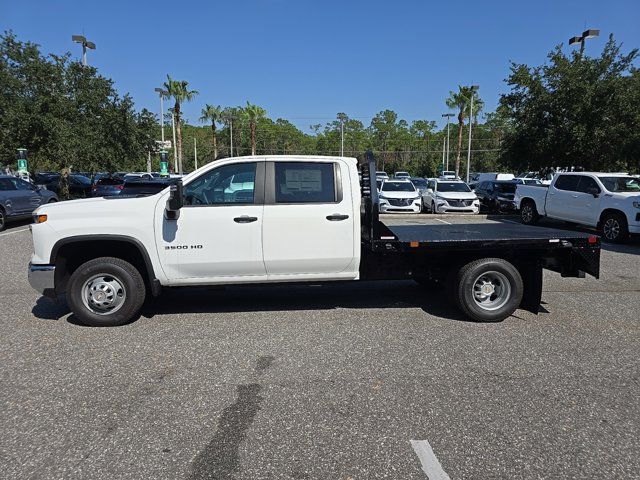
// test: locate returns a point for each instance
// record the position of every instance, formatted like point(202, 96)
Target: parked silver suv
point(18, 199)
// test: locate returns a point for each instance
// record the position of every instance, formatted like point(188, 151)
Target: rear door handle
point(245, 219)
point(336, 217)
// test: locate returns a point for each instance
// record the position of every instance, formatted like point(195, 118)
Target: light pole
point(591, 33)
point(474, 89)
point(175, 149)
point(341, 137)
point(195, 153)
point(229, 118)
point(448, 115)
point(161, 93)
point(82, 40)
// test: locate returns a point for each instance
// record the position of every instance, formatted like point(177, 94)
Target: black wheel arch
point(69, 253)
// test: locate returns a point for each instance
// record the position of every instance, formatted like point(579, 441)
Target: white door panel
point(300, 238)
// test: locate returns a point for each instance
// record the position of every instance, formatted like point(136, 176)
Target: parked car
point(399, 196)
point(485, 177)
point(448, 175)
point(138, 176)
point(382, 175)
point(146, 187)
point(451, 196)
point(527, 181)
point(18, 199)
point(421, 185)
point(107, 186)
point(608, 201)
point(400, 175)
point(79, 185)
point(497, 195)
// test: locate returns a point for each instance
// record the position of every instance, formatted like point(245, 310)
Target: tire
point(106, 292)
point(614, 228)
point(503, 292)
point(53, 200)
point(3, 219)
point(433, 207)
point(529, 213)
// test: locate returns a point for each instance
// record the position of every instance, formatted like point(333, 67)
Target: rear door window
point(567, 182)
point(6, 184)
point(305, 182)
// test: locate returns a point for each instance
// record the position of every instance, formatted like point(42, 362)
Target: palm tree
point(254, 113)
point(212, 114)
point(462, 101)
point(179, 91)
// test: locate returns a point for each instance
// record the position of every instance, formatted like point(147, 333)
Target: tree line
point(573, 111)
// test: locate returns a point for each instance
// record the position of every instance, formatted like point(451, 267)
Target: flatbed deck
point(493, 233)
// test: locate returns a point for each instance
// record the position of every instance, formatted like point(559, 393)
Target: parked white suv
point(609, 201)
point(399, 196)
point(451, 196)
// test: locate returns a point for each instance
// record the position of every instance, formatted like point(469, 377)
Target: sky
point(307, 60)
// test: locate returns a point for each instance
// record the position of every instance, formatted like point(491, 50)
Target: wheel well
point(69, 256)
point(608, 211)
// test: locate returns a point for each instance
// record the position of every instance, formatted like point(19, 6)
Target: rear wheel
point(3, 220)
point(105, 292)
point(488, 290)
point(614, 227)
point(529, 213)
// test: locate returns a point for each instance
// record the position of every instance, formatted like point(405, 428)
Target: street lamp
point(230, 119)
point(591, 33)
point(448, 115)
point(474, 89)
point(161, 93)
point(82, 40)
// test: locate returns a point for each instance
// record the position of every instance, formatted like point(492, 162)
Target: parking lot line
point(430, 463)
point(442, 221)
point(12, 232)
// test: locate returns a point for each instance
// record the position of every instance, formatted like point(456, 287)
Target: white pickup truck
point(608, 201)
point(274, 219)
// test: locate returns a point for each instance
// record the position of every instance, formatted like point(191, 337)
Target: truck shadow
point(357, 295)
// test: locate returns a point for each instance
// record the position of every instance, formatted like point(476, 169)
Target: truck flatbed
point(482, 233)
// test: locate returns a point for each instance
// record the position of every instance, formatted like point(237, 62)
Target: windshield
point(452, 187)
point(621, 184)
point(419, 182)
point(448, 174)
point(398, 187)
point(505, 187)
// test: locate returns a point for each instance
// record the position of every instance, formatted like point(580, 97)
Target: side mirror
point(594, 191)
point(175, 201)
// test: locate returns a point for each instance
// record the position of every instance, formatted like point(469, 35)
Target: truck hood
point(400, 194)
point(457, 195)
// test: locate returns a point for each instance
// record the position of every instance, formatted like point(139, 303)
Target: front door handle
point(336, 217)
point(245, 219)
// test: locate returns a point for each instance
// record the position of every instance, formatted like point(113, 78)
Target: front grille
point(460, 203)
point(400, 202)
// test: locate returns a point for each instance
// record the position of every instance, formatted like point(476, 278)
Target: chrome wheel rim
point(527, 213)
point(491, 290)
point(103, 294)
point(611, 229)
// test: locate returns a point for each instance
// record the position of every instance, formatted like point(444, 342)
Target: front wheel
point(3, 220)
point(488, 290)
point(105, 292)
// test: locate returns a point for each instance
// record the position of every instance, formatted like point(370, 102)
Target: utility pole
point(474, 88)
point(162, 93)
point(444, 145)
point(175, 147)
point(195, 152)
point(149, 161)
point(341, 137)
point(448, 115)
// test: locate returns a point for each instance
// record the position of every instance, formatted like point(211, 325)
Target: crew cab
point(607, 201)
point(275, 219)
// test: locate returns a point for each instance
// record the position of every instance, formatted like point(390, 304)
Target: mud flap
point(532, 295)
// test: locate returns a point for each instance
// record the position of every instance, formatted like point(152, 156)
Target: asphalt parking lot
point(323, 382)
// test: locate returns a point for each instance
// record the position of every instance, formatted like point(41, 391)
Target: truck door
point(218, 235)
point(308, 219)
point(586, 202)
point(561, 198)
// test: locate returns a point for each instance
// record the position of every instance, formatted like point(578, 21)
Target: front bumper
point(440, 208)
point(41, 279)
point(415, 207)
